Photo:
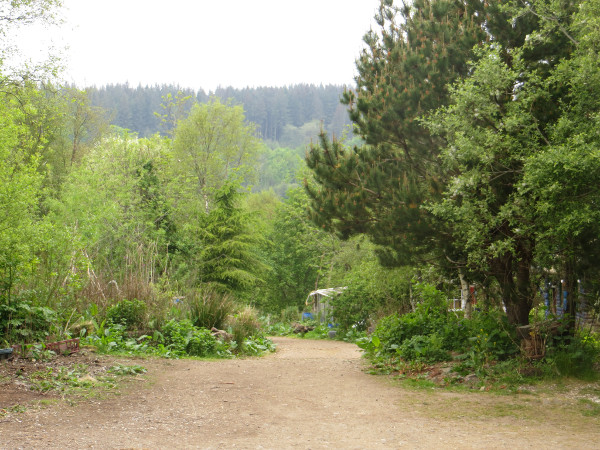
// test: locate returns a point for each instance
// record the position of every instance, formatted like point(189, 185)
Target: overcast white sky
point(207, 43)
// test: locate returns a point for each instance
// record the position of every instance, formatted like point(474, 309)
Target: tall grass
point(243, 324)
point(209, 309)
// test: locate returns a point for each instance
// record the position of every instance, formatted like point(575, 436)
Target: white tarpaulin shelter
point(319, 300)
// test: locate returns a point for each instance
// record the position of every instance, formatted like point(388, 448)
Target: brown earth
point(309, 394)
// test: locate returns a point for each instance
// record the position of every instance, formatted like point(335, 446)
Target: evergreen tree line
point(279, 112)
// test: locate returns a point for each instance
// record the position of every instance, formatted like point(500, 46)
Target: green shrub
point(372, 292)
point(290, 314)
point(423, 348)
point(278, 329)
point(244, 324)
point(201, 343)
point(209, 309)
point(257, 345)
point(576, 357)
point(21, 321)
point(129, 313)
point(492, 337)
point(183, 338)
point(430, 332)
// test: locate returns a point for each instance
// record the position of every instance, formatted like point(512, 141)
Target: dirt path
point(310, 394)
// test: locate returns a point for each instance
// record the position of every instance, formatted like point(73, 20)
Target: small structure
point(319, 300)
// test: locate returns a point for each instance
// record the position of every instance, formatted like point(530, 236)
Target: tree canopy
point(462, 105)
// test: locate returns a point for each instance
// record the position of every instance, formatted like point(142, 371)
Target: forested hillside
point(289, 115)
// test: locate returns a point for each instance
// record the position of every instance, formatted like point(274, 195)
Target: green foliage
point(257, 345)
point(118, 230)
point(23, 322)
point(482, 205)
point(507, 89)
point(427, 348)
point(211, 146)
point(278, 168)
point(77, 378)
point(60, 379)
point(201, 343)
point(290, 314)
point(208, 309)
point(574, 356)
point(243, 325)
point(122, 370)
point(297, 253)
point(129, 313)
point(105, 338)
point(183, 338)
point(228, 260)
point(377, 189)
point(492, 336)
point(20, 182)
point(372, 291)
point(430, 332)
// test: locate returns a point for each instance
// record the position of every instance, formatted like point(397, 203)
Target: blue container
point(307, 316)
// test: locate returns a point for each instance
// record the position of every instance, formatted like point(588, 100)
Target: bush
point(430, 332)
point(209, 309)
point(492, 337)
point(183, 338)
point(201, 343)
point(243, 325)
point(21, 322)
point(431, 317)
point(423, 348)
point(576, 357)
point(129, 313)
point(353, 307)
point(290, 314)
point(372, 292)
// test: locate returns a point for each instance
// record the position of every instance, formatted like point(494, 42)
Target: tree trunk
point(465, 300)
point(513, 275)
point(570, 288)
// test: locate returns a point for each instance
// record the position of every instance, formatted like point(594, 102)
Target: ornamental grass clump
point(209, 309)
point(243, 324)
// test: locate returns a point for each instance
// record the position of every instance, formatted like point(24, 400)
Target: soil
point(309, 394)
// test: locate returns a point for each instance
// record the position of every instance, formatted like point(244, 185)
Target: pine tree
point(386, 188)
point(379, 188)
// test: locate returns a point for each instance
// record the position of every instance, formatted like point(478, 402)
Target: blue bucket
point(307, 316)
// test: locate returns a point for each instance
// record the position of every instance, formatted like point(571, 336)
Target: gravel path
point(310, 394)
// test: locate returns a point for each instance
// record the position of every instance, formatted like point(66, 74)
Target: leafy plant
point(129, 313)
point(576, 356)
point(106, 338)
point(423, 348)
point(183, 338)
point(201, 343)
point(21, 321)
point(257, 345)
point(121, 369)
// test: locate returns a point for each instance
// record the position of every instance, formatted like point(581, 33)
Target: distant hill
point(290, 116)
